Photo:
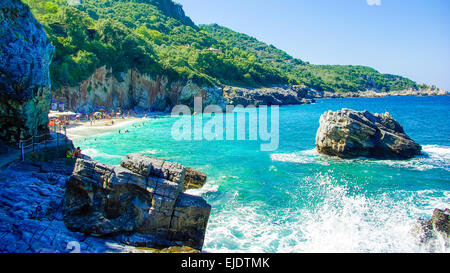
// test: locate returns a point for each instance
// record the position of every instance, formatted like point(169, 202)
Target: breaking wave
point(94, 153)
point(302, 157)
point(340, 222)
point(433, 157)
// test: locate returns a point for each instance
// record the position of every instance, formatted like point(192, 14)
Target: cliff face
point(25, 55)
point(135, 90)
point(156, 93)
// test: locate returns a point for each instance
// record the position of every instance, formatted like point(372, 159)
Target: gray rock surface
point(276, 95)
point(142, 196)
point(434, 234)
point(439, 223)
point(31, 212)
point(350, 134)
point(194, 179)
point(25, 56)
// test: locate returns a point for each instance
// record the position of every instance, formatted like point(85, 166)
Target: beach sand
point(84, 128)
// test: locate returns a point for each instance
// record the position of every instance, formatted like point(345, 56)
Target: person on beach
point(77, 153)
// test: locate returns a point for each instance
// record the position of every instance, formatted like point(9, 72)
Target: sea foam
point(340, 222)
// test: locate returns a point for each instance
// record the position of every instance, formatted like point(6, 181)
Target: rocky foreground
point(350, 134)
point(85, 206)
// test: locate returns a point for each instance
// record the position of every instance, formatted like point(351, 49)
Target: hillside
point(152, 36)
point(334, 78)
point(156, 37)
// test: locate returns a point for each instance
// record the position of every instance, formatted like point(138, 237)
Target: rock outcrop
point(143, 91)
point(31, 215)
point(135, 90)
point(437, 227)
point(142, 196)
point(350, 134)
point(276, 95)
point(194, 179)
point(25, 55)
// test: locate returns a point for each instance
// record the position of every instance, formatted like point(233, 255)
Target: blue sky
point(405, 37)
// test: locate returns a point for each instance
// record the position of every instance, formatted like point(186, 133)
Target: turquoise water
point(294, 200)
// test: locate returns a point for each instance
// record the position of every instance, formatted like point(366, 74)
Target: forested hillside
point(338, 78)
point(156, 37)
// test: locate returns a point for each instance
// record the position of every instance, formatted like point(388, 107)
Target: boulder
point(350, 134)
point(143, 195)
point(25, 56)
point(437, 226)
point(194, 179)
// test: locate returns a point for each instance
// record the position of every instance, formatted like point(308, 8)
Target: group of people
point(74, 154)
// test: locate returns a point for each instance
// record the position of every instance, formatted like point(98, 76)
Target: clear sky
point(405, 37)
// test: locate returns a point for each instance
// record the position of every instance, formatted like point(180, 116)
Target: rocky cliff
point(349, 134)
point(147, 92)
point(142, 196)
point(25, 55)
point(135, 90)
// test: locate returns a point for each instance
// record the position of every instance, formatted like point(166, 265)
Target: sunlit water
point(294, 200)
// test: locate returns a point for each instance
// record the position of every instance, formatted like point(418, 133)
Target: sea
point(293, 200)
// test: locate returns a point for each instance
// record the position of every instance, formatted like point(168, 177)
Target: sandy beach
point(84, 128)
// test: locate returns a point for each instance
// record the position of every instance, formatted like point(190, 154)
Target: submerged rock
point(350, 134)
point(25, 56)
point(142, 196)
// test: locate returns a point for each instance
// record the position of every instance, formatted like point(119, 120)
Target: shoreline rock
point(32, 214)
point(429, 232)
point(275, 95)
point(194, 179)
point(351, 134)
point(142, 196)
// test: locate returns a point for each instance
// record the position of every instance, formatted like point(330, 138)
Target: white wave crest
point(210, 186)
point(434, 157)
point(94, 153)
point(340, 222)
point(302, 157)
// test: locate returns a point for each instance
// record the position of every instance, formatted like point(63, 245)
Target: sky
point(410, 38)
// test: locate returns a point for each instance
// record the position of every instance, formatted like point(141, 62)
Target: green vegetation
point(155, 36)
point(334, 78)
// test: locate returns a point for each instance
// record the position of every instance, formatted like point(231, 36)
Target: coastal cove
point(293, 199)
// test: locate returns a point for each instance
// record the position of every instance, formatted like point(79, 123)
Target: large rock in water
point(25, 55)
point(433, 230)
point(142, 196)
point(350, 134)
